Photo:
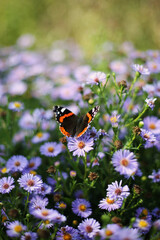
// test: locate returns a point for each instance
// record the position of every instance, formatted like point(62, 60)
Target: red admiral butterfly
point(72, 125)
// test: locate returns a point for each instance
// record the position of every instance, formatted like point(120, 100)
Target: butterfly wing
point(87, 119)
point(67, 120)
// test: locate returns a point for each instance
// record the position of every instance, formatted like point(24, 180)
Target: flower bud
point(141, 124)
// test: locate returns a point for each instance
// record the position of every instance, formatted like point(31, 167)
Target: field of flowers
point(100, 182)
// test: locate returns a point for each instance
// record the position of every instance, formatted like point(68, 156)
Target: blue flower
point(17, 163)
point(6, 184)
point(89, 227)
point(79, 146)
point(81, 207)
point(30, 183)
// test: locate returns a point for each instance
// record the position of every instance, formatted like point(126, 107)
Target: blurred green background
point(89, 22)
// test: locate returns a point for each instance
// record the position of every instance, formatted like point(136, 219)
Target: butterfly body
point(70, 124)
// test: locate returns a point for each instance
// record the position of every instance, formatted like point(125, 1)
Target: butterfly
point(70, 124)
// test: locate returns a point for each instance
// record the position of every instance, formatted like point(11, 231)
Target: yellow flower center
point(67, 236)
point(108, 232)
point(113, 119)
point(32, 164)
point(82, 207)
point(110, 201)
point(124, 162)
point(62, 205)
point(81, 144)
point(17, 104)
point(51, 149)
point(4, 218)
point(154, 66)
point(6, 186)
point(143, 224)
point(4, 170)
point(145, 212)
point(18, 228)
point(45, 213)
point(17, 164)
point(30, 183)
point(152, 126)
point(33, 172)
point(46, 222)
point(118, 191)
point(39, 135)
point(89, 229)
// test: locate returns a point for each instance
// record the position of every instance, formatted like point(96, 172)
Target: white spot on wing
point(63, 109)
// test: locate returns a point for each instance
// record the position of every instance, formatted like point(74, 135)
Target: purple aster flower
point(82, 72)
point(44, 189)
point(150, 89)
point(27, 122)
point(30, 183)
point(16, 106)
point(156, 212)
point(110, 204)
point(118, 67)
point(143, 225)
point(17, 88)
point(126, 234)
point(114, 119)
point(41, 114)
point(109, 230)
point(115, 190)
point(34, 163)
point(40, 137)
point(46, 224)
point(157, 89)
point(29, 235)
point(141, 69)
point(79, 194)
point(72, 173)
point(26, 41)
point(153, 54)
point(155, 176)
point(45, 214)
point(59, 218)
point(81, 207)
point(14, 229)
point(89, 227)
point(150, 102)
point(147, 135)
point(151, 143)
point(156, 224)
point(6, 184)
point(96, 78)
point(143, 213)
point(125, 162)
point(38, 202)
point(17, 163)
point(129, 106)
point(80, 145)
point(67, 233)
point(153, 66)
point(93, 133)
point(51, 149)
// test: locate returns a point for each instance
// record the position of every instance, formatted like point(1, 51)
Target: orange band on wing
point(80, 134)
point(64, 131)
point(64, 116)
point(90, 117)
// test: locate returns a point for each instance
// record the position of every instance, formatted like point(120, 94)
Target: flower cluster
point(89, 170)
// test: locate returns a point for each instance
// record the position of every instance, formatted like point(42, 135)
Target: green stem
point(26, 204)
point(139, 116)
